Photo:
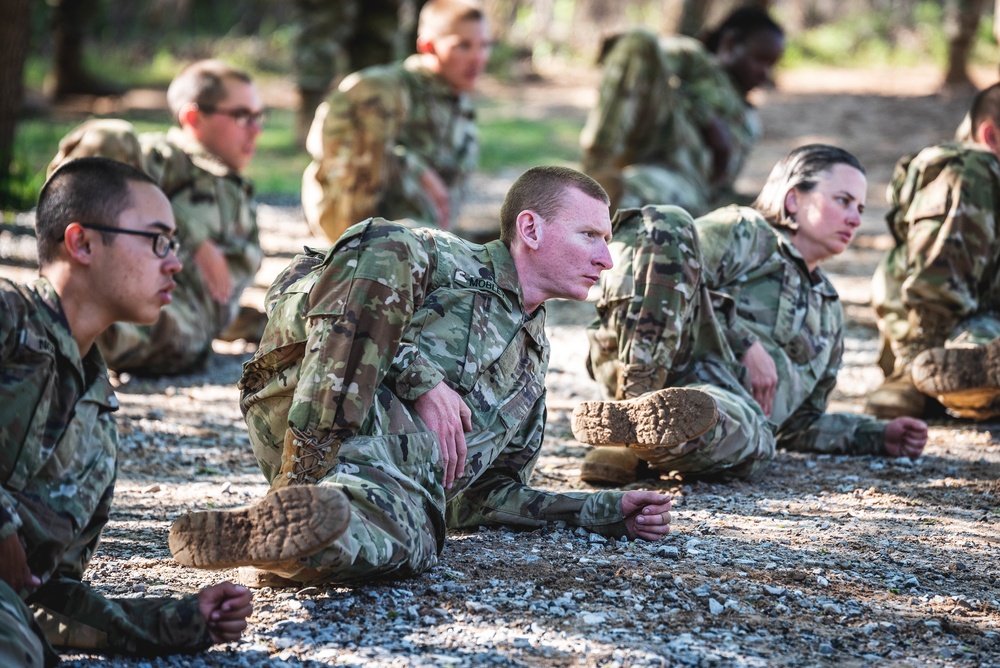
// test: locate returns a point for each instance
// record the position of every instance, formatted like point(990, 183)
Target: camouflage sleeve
point(951, 220)
point(811, 429)
point(501, 494)
point(10, 521)
point(731, 247)
point(77, 554)
point(73, 615)
point(353, 143)
point(361, 306)
point(631, 85)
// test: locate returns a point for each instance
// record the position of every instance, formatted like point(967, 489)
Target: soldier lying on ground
point(106, 251)
point(399, 141)
point(198, 165)
point(734, 304)
point(673, 124)
point(401, 381)
point(937, 293)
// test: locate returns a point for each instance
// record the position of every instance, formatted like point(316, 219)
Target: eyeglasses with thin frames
point(162, 244)
point(242, 116)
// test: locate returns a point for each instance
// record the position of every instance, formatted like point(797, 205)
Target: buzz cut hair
point(85, 190)
point(986, 107)
point(543, 190)
point(442, 17)
point(202, 83)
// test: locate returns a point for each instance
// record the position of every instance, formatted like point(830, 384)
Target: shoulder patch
point(464, 279)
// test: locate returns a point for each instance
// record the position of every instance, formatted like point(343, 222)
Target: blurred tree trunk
point(502, 14)
point(961, 22)
point(15, 24)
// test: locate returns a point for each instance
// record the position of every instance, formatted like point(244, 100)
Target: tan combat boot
point(896, 397)
point(287, 525)
point(965, 380)
point(304, 459)
point(610, 466)
point(663, 418)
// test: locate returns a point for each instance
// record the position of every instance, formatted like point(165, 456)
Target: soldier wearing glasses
point(105, 242)
point(198, 165)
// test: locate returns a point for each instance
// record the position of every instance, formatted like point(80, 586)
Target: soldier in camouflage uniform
point(335, 37)
point(940, 286)
point(736, 305)
point(406, 368)
point(673, 124)
point(198, 166)
point(399, 141)
point(58, 440)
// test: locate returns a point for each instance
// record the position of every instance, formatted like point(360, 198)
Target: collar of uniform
point(203, 158)
point(505, 272)
point(90, 366)
point(817, 278)
point(438, 86)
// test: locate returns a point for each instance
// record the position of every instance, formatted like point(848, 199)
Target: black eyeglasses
point(162, 244)
point(242, 116)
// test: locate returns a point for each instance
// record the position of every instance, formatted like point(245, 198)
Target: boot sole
point(288, 524)
point(663, 418)
point(966, 380)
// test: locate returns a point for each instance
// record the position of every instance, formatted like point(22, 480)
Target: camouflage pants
point(21, 641)
point(657, 328)
point(397, 500)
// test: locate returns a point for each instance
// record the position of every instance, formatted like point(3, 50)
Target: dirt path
point(827, 561)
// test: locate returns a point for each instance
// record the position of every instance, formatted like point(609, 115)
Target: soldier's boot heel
point(965, 380)
point(662, 418)
point(287, 525)
point(896, 397)
point(610, 466)
point(305, 459)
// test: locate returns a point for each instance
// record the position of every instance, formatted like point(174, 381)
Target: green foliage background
point(257, 34)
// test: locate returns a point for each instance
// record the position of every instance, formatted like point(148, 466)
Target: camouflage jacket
point(656, 98)
point(797, 316)
point(446, 310)
point(943, 215)
point(58, 461)
point(372, 140)
point(210, 203)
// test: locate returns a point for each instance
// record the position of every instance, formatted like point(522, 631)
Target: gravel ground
point(827, 561)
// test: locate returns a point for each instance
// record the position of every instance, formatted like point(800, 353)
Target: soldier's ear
point(76, 241)
point(425, 46)
point(988, 135)
point(189, 115)
point(792, 202)
point(529, 228)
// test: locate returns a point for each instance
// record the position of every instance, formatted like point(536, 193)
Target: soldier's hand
point(720, 142)
point(443, 411)
point(215, 272)
point(14, 566)
point(647, 514)
point(438, 192)
point(225, 607)
point(763, 376)
point(905, 437)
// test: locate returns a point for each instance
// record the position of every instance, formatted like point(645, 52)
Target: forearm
point(73, 615)
point(508, 502)
point(833, 433)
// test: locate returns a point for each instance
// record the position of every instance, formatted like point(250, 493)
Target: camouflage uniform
point(686, 300)
point(353, 338)
point(58, 461)
point(644, 141)
point(210, 203)
point(373, 139)
point(941, 283)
